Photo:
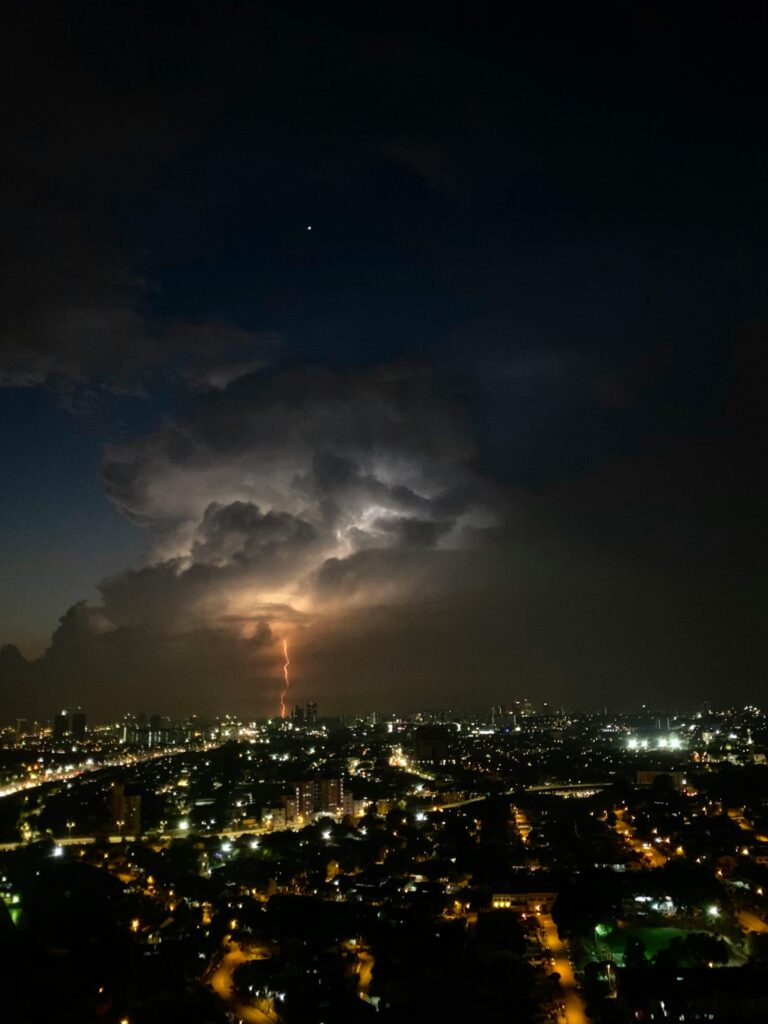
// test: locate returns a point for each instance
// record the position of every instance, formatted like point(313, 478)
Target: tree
point(580, 907)
point(702, 949)
point(758, 947)
point(634, 952)
point(695, 950)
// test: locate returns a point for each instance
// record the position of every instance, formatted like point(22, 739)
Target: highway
point(575, 1008)
point(227, 833)
point(76, 771)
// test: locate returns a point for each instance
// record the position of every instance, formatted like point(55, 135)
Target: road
point(575, 1010)
point(459, 803)
point(221, 981)
point(751, 921)
point(741, 821)
point(75, 771)
point(227, 833)
point(365, 962)
point(648, 852)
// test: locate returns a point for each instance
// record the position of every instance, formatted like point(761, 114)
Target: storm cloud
point(255, 487)
point(275, 507)
point(344, 510)
point(494, 426)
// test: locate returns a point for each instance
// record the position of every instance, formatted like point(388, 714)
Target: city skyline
point(382, 542)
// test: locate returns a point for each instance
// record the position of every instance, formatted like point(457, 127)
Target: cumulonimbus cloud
point(275, 506)
point(276, 488)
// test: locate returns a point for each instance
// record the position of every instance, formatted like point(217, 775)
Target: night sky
point(427, 338)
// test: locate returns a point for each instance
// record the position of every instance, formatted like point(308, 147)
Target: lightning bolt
point(286, 678)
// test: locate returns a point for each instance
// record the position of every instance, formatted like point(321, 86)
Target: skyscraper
point(77, 725)
point(61, 725)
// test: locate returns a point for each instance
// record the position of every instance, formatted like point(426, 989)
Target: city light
point(307, 786)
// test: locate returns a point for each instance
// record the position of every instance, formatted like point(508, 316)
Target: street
point(75, 771)
point(575, 1009)
point(751, 921)
point(365, 962)
point(648, 851)
point(221, 981)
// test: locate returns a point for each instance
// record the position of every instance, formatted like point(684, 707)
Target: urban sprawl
point(524, 864)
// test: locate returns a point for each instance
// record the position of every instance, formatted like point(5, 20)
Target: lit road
point(522, 824)
point(75, 771)
point(575, 1011)
point(458, 803)
point(743, 824)
point(221, 981)
point(178, 833)
point(751, 921)
point(365, 962)
point(739, 818)
point(648, 851)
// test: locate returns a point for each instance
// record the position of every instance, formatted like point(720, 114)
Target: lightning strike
point(286, 678)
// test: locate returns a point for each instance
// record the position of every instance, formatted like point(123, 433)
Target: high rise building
point(77, 725)
point(305, 798)
point(126, 809)
point(155, 731)
point(524, 708)
point(331, 795)
point(433, 744)
point(61, 725)
point(310, 715)
point(315, 796)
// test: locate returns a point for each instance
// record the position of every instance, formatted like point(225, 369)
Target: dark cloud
point(331, 445)
point(117, 669)
point(275, 506)
point(340, 460)
point(412, 533)
point(343, 509)
point(241, 532)
point(518, 437)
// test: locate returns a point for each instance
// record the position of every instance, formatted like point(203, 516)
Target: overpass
point(570, 788)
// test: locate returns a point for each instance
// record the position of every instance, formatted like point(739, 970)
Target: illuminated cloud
point(292, 487)
point(288, 502)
